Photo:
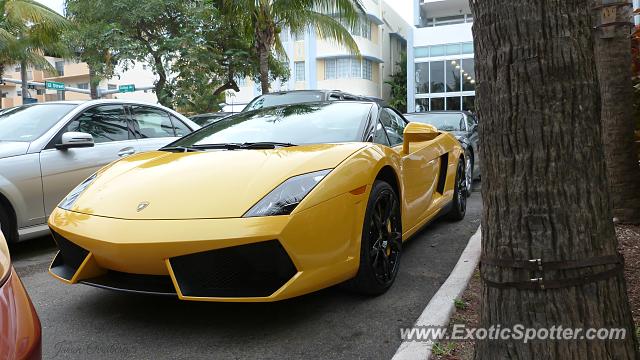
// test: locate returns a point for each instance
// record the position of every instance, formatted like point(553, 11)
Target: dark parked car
point(464, 125)
point(210, 118)
point(304, 96)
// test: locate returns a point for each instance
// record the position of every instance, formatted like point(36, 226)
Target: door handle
point(126, 151)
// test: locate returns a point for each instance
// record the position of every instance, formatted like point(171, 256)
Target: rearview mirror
point(417, 132)
point(75, 140)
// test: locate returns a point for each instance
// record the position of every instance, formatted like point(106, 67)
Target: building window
point(112, 86)
point(446, 20)
point(445, 76)
point(59, 65)
point(468, 75)
point(299, 70)
point(452, 74)
point(443, 50)
point(84, 86)
point(367, 69)
point(348, 68)
point(453, 103)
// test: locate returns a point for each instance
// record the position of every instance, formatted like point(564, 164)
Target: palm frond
point(32, 12)
point(331, 29)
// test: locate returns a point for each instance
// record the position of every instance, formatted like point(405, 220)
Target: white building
point(440, 67)
point(317, 63)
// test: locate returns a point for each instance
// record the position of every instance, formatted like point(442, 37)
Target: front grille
point(69, 258)
point(252, 270)
point(147, 284)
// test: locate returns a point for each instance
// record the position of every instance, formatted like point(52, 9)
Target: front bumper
point(20, 337)
point(235, 259)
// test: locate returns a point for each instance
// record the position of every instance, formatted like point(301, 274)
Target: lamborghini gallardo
point(263, 206)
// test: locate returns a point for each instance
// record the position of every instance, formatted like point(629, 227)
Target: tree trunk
point(265, 32)
point(93, 83)
point(25, 81)
point(544, 186)
point(613, 61)
point(264, 71)
point(164, 95)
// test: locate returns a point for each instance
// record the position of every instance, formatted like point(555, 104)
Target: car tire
point(6, 225)
point(381, 244)
point(459, 202)
point(469, 174)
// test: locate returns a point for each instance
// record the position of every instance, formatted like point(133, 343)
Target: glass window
point(422, 78)
point(180, 128)
point(453, 49)
point(422, 105)
point(105, 123)
point(318, 123)
point(299, 67)
point(152, 123)
point(442, 121)
point(394, 126)
point(380, 136)
point(437, 104)
point(421, 52)
point(467, 48)
point(29, 122)
point(276, 99)
point(453, 103)
point(356, 70)
point(468, 103)
point(343, 68)
point(83, 86)
point(468, 73)
point(330, 69)
point(453, 75)
point(366, 29)
point(437, 76)
point(367, 69)
point(437, 50)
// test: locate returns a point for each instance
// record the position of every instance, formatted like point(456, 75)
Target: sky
point(402, 7)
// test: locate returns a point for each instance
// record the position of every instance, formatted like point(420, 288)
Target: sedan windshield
point(442, 121)
point(29, 122)
point(276, 99)
point(292, 124)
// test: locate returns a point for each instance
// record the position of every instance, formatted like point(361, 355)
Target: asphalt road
point(81, 322)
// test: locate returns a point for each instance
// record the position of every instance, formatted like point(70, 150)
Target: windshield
point(295, 124)
point(442, 121)
point(27, 123)
point(283, 99)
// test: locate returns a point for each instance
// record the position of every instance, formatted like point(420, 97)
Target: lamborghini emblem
point(143, 205)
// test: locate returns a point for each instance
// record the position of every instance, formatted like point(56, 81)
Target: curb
point(441, 307)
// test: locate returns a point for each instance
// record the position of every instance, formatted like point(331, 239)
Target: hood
point(201, 185)
point(13, 148)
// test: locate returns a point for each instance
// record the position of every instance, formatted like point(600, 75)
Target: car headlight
point(283, 199)
point(5, 260)
point(68, 201)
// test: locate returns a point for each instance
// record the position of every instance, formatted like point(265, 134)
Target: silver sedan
point(47, 149)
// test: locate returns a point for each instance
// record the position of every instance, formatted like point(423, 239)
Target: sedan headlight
point(283, 199)
point(68, 202)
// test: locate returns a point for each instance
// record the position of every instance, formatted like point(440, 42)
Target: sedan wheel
point(468, 175)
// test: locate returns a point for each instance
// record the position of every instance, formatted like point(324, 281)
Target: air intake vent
point(70, 257)
point(442, 174)
point(252, 270)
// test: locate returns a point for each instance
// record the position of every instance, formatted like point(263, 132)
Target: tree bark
point(25, 81)
point(264, 70)
point(544, 181)
point(613, 61)
point(265, 32)
point(93, 83)
point(164, 95)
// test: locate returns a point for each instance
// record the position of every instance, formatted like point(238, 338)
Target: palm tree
point(264, 19)
point(28, 31)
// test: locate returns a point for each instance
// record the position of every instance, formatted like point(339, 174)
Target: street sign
point(126, 88)
point(52, 85)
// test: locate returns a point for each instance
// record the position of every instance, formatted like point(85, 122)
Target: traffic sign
point(52, 85)
point(126, 88)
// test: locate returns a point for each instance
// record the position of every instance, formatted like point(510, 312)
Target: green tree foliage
point(28, 31)
point(398, 83)
point(262, 21)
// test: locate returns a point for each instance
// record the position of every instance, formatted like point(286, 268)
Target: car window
point(105, 123)
point(180, 127)
point(442, 121)
point(394, 126)
point(152, 123)
point(380, 136)
point(276, 99)
point(470, 123)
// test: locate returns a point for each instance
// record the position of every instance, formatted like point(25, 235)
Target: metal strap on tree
point(538, 282)
point(612, 14)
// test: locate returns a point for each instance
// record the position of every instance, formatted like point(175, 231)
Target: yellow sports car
point(263, 206)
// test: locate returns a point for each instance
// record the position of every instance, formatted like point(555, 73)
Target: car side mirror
point(417, 132)
point(75, 140)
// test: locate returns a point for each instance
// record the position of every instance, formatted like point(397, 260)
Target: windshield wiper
point(240, 146)
point(180, 149)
